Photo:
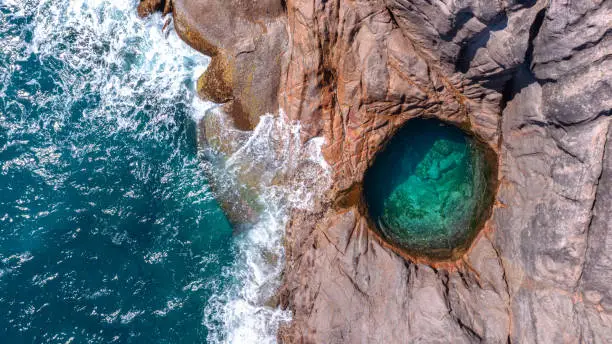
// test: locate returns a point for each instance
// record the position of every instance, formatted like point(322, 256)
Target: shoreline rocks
point(246, 42)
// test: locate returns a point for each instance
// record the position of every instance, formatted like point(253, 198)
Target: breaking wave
point(287, 173)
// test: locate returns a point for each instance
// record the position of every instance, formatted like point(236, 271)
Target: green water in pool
point(429, 189)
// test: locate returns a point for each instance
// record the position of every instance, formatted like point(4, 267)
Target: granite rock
point(247, 43)
point(531, 79)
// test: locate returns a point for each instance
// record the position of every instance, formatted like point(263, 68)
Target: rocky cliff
point(531, 79)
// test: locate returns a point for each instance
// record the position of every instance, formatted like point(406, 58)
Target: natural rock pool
point(430, 189)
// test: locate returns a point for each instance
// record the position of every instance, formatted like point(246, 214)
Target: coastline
point(355, 73)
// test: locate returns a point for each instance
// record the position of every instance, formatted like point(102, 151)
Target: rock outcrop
point(531, 79)
point(246, 41)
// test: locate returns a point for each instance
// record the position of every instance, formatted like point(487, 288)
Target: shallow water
point(108, 230)
point(427, 190)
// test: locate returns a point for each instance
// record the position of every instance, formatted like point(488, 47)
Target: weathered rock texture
point(246, 40)
point(532, 79)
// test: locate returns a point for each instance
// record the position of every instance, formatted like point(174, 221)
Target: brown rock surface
point(532, 79)
point(522, 77)
point(148, 7)
point(247, 41)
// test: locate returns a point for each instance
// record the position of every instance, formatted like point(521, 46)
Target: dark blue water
point(108, 230)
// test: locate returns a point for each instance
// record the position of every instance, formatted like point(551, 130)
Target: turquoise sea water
point(429, 188)
point(108, 230)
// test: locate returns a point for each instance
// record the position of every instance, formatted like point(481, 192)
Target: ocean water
point(437, 193)
point(109, 232)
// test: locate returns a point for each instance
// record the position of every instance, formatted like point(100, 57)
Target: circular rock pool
point(431, 189)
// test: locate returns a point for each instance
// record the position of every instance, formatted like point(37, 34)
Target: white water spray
point(273, 152)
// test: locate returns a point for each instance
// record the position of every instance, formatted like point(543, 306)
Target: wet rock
point(148, 7)
point(215, 84)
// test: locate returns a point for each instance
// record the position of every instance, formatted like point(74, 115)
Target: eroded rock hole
point(431, 189)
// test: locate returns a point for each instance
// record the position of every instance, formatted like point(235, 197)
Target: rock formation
point(246, 40)
point(531, 78)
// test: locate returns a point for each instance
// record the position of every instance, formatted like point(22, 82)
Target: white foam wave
point(117, 72)
point(106, 47)
point(274, 152)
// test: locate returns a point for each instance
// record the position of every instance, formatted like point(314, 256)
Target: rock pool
point(429, 190)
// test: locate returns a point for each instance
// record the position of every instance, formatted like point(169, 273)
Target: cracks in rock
point(590, 44)
point(507, 285)
point(592, 211)
point(466, 329)
point(408, 267)
point(567, 151)
point(355, 285)
point(523, 75)
point(350, 237)
point(534, 30)
point(459, 21)
point(568, 198)
point(313, 300)
point(444, 279)
point(471, 269)
point(563, 125)
point(371, 15)
point(464, 278)
point(575, 71)
point(394, 22)
point(470, 47)
point(504, 275)
point(331, 242)
point(533, 123)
